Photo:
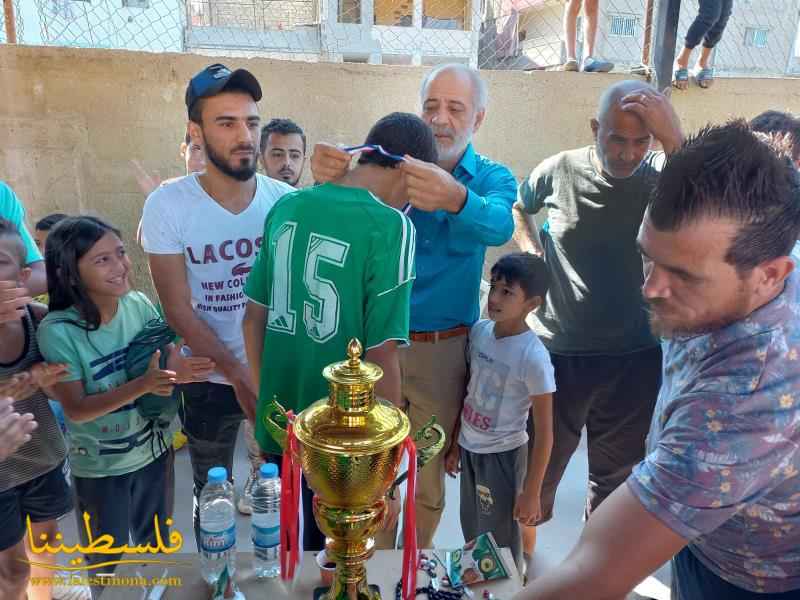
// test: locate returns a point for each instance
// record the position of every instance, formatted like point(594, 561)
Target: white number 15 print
point(321, 315)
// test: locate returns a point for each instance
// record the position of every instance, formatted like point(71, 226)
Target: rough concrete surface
point(72, 119)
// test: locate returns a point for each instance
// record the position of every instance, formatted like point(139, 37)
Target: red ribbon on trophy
point(410, 525)
point(291, 493)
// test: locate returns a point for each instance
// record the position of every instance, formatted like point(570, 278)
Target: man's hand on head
point(329, 162)
point(658, 114)
point(432, 188)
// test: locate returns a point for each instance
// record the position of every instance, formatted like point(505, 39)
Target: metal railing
point(760, 39)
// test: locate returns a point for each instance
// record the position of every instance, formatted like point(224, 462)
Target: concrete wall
point(71, 120)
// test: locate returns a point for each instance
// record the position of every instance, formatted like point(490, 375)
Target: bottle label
point(269, 536)
point(218, 541)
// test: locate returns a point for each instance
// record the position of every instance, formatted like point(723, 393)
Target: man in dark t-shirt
point(593, 321)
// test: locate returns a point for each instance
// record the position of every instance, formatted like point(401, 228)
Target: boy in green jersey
point(336, 262)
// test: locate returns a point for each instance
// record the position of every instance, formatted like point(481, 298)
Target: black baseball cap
point(215, 78)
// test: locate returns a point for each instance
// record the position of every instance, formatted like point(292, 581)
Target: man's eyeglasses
point(373, 148)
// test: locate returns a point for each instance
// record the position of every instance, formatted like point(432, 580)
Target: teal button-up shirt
point(451, 247)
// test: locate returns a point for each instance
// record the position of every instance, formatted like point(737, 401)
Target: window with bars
point(623, 25)
point(755, 37)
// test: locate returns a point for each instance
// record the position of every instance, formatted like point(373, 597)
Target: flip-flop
point(680, 79)
point(704, 77)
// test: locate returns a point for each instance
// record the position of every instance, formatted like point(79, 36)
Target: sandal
point(680, 79)
point(704, 77)
point(570, 65)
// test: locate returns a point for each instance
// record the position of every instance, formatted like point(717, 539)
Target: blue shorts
point(45, 498)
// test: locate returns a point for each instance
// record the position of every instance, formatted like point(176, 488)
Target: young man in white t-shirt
point(201, 234)
point(510, 376)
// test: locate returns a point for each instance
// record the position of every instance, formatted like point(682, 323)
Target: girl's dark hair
point(48, 222)
point(67, 243)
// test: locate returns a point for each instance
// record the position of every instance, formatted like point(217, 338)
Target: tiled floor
point(555, 539)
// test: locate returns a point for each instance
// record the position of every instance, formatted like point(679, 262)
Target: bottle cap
point(268, 471)
point(217, 474)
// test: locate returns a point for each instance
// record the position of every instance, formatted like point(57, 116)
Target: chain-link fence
point(760, 38)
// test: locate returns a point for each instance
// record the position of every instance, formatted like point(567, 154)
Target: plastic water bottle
point(217, 526)
point(266, 522)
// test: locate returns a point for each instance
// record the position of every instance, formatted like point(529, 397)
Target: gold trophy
point(350, 445)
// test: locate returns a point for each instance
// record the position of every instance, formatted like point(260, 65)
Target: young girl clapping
point(123, 474)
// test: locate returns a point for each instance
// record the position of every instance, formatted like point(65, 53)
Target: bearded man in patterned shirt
point(719, 488)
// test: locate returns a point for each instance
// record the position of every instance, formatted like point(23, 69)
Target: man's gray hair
point(480, 93)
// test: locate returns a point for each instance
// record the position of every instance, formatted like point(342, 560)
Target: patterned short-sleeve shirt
point(723, 454)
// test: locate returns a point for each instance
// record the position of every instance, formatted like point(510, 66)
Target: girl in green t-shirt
point(123, 477)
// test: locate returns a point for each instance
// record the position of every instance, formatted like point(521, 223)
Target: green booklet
point(479, 560)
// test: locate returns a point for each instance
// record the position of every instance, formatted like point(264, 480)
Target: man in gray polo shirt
point(593, 321)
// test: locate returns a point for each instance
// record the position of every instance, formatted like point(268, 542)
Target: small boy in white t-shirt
point(510, 375)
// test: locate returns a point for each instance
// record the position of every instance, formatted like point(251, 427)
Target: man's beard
point(289, 177)
point(602, 160)
point(245, 171)
point(668, 331)
point(453, 150)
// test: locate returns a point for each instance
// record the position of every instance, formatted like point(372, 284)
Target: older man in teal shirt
point(459, 206)
point(451, 245)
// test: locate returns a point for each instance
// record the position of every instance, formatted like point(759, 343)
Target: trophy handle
point(278, 433)
point(425, 452)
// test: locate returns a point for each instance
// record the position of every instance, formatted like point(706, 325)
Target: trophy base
point(375, 593)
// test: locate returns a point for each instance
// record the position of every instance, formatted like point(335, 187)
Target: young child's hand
point(46, 374)
point(528, 508)
point(41, 375)
point(189, 369)
point(158, 381)
point(15, 429)
point(13, 299)
point(18, 386)
point(452, 461)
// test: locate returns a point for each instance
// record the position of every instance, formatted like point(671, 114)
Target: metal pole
point(11, 24)
point(648, 32)
point(665, 37)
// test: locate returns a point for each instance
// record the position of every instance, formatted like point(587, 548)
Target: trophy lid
point(350, 420)
point(353, 371)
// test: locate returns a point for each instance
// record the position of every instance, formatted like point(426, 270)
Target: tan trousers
point(434, 383)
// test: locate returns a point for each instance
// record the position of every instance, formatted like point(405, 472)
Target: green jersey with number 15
point(335, 263)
